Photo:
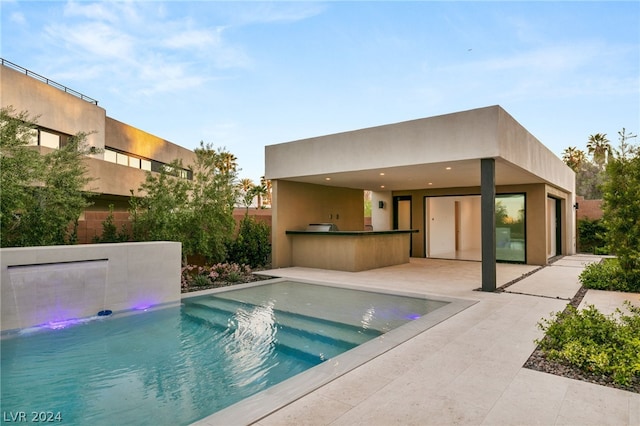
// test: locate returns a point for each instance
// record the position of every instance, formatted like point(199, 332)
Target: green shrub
point(110, 232)
point(591, 236)
point(200, 281)
point(252, 245)
point(608, 275)
point(594, 342)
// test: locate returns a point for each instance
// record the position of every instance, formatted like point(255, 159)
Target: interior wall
point(441, 226)
point(295, 205)
point(470, 223)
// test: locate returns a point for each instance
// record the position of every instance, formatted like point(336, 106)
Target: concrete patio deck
point(466, 370)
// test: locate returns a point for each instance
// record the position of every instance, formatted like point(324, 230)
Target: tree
point(260, 191)
point(43, 195)
point(266, 184)
point(212, 201)
point(599, 147)
point(589, 179)
point(198, 213)
point(160, 214)
point(226, 161)
point(245, 187)
point(574, 158)
point(621, 210)
point(626, 149)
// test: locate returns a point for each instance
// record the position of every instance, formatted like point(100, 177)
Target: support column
point(488, 222)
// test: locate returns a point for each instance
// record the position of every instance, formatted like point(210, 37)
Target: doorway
point(402, 215)
point(554, 227)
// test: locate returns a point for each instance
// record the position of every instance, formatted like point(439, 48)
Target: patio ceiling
point(452, 174)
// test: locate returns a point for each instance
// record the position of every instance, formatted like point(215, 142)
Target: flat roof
point(434, 152)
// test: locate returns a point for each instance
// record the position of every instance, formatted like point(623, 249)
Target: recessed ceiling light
point(382, 174)
point(448, 168)
point(327, 178)
point(381, 186)
point(430, 183)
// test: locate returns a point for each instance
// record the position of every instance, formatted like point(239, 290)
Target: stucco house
point(471, 185)
point(124, 153)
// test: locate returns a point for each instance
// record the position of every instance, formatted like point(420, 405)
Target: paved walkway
point(466, 370)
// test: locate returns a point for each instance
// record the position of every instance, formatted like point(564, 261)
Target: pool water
point(180, 364)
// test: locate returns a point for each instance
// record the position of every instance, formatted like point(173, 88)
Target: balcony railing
point(47, 81)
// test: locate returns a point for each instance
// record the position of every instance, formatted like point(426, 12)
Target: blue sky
point(243, 75)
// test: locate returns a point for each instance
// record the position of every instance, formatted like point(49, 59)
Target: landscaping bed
point(196, 278)
point(540, 362)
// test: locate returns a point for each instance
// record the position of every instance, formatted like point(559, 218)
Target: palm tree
point(573, 157)
point(266, 184)
point(227, 162)
point(246, 187)
point(598, 146)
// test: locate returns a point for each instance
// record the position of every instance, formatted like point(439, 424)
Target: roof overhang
point(436, 152)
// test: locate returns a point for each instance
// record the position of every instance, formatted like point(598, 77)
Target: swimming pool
point(215, 353)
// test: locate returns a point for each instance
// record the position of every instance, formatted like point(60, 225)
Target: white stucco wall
point(40, 285)
point(459, 136)
point(381, 218)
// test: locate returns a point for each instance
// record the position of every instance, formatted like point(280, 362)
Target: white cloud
point(17, 18)
point(268, 12)
point(94, 11)
point(194, 38)
point(93, 38)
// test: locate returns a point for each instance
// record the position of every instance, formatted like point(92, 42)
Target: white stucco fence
point(44, 285)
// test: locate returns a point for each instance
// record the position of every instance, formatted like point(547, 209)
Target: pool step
point(352, 334)
point(300, 342)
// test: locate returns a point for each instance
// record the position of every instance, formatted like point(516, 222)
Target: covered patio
point(424, 176)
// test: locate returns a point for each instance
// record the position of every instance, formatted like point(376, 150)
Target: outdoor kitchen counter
point(349, 250)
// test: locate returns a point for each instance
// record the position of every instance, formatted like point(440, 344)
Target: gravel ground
point(539, 362)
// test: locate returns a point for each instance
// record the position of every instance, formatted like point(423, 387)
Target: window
point(122, 159)
point(110, 156)
point(134, 162)
point(113, 156)
point(50, 140)
point(510, 228)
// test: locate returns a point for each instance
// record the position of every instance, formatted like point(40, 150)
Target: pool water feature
point(179, 364)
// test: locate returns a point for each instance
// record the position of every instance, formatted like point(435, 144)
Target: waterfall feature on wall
point(59, 292)
point(48, 286)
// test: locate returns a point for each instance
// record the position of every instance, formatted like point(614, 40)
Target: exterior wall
point(56, 109)
point(113, 179)
point(390, 145)
point(90, 225)
point(468, 135)
point(41, 285)
point(521, 148)
point(568, 218)
point(260, 215)
point(588, 209)
point(129, 139)
point(295, 205)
